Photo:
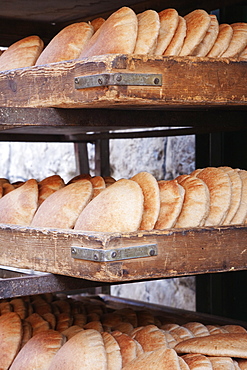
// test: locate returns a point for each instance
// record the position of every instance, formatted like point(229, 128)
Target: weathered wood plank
point(187, 82)
point(180, 252)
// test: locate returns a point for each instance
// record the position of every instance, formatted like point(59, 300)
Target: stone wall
point(165, 158)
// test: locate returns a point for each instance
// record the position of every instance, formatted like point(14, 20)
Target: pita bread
point(39, 351)
point(196, 202)
point(83, 176)
point(222, 42)
point(98, 183)
point(238, 41)
point(67, 44)
point(10, 338)
point(18, 206)
point(62, 208)
point(236, 183)
point(71, 331)
point(97, 23)
point(151, 338)
point(118, 208)
point(198, 23)
point(222, 363)
point(161, 359)
point(197, 361)
point(242, 364)
point(22, 53)
point(197, 329)
point(183, 365)
point(19, 307)
point(114, 358)
point(213, 329)
point(148, 31)
point(48, 186)
point(116, 35)
point(181, 333)
point(219, 185)
point(209, 39)
point(27, 333)
point(231, 345)
point(241, 214)
point(38, 323)
point(151, 194)
point(243, 54)
point(171, 201)
point(234, 328)
point(86, 347)
point(169, 19)
point(129, 347)
point(176, 44)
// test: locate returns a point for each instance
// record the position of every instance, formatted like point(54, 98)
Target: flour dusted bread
point(196, 202)
point(198, 23)
point(19, 206)
point(238, 41)
point(222, 42)
point(230, 344)
point(148, 31)
point(62, 208)
point(161, 359)
point(85, 349)
point(219, 185)
point(116, 35)
point(21, 54)
point(10, 338)
point(169, 19)
point(209, 39)
point(151, 193)
point(171, 202)
point(39, 351)
point(175, 46)
point(67, 44)
point(118, 208)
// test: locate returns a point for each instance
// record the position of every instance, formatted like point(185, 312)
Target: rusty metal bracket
point(116, 254)
point(118, 79)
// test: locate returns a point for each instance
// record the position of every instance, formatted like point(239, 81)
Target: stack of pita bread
point(166, 33)
point(51, 332)
point(211, 196)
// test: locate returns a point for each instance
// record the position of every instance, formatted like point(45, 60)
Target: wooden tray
point(177, 82)
point(114, 257)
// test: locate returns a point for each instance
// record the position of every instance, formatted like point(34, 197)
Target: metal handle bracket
point(116, 254)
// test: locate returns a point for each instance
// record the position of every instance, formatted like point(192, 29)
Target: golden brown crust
point(151, 338)
point(116, 35)
point(222, 42)
point(197, 361)
point(238, 41)
point(67, 44)
point(176, 44)
point(148, 31)
point(48, 186)
point(209, 39)
point(169, 19)
point(97, 23)
point(114, 358)
point(22, 53)
point(197, 22)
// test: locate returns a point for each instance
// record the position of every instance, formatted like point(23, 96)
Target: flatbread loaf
point(161, 359)
point(197, 328)
point(97, 23)
point(169, 19)
point(183, 365)
point(197, 361)
point(241, 214)
point(39, 351)
point(148, 31)
point(62, 208)
point(118, 208)
point(236, 193)
point(171, 201)
point(222, 363)
point(67, 44)
point(151, 194)
point(209, 39)
point(222, 42)
point(177, 41)
point(130, 349)
point(114, 358)
point(243, 54)
point(198, 23)
point(196, 202)
point(231, 345)
point(22, 53)
point(151, 338)
point(48, 186)
point(238, 41)
point(10, 338)
point(18, 206)
point(85, 349)
point(219, 185)
point(116, 35)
